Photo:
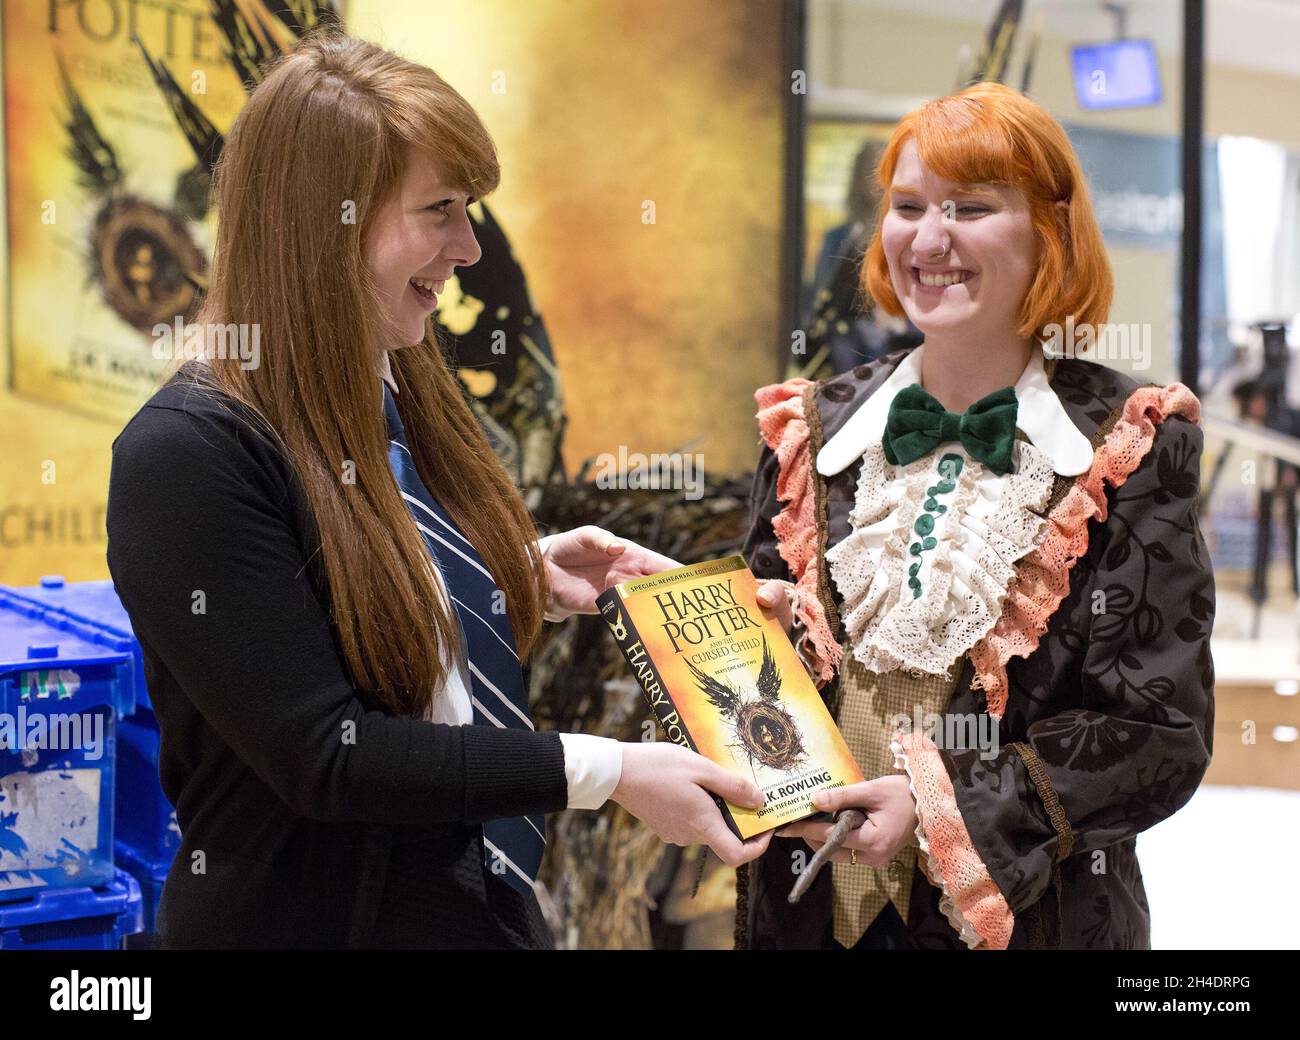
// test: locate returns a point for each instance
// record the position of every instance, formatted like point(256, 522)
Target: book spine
point(616, 616)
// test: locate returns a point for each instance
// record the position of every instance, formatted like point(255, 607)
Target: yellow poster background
point(604, 111)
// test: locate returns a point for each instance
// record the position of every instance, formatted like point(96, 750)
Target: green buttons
point(949, 467)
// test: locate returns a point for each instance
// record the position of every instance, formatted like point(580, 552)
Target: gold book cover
point(724, 679)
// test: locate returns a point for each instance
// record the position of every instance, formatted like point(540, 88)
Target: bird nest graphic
point(764, 730)
point(769, 735)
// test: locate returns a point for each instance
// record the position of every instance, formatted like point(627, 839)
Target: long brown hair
point(331, 126)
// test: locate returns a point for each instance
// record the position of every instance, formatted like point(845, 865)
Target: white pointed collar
point(1039, 414)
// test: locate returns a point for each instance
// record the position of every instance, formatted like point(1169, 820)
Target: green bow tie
point(918, 424)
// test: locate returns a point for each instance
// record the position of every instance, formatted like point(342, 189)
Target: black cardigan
point(289, 830)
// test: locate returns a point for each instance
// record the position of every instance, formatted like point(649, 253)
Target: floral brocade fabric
point(1103, 718)
point(1043, 578)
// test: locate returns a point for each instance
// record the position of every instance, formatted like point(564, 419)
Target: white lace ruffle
point(991, 522)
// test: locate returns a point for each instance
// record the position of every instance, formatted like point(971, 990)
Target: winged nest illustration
point(765, 731)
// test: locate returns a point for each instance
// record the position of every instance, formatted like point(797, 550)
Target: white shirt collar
point(1039, 414)
point(386, 371)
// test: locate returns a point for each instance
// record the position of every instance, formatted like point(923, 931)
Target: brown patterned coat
point(1105, 726)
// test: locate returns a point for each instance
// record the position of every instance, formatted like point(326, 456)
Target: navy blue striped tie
point(512, 848)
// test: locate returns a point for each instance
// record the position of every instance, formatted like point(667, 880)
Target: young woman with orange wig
point(990, 558)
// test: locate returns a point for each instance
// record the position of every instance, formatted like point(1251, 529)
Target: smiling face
point(961, 256)
point(418, 239)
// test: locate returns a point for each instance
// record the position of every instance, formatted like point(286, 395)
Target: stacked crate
point(65, 682)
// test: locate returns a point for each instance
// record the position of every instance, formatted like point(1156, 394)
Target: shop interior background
point(678, 202)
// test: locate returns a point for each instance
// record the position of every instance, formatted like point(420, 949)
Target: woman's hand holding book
point(890, 808)
point(584, 562)
point(668, 786)
point(776, 596)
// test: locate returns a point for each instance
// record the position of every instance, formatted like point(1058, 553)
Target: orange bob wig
point(991, 134)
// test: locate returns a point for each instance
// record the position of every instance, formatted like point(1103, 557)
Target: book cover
point(724, 679)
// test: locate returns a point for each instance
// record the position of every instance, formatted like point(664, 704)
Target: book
point(724, 680)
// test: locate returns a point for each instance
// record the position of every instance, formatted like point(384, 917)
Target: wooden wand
point(846, 822)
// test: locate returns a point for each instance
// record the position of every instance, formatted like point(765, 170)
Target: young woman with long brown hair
point(331, 576)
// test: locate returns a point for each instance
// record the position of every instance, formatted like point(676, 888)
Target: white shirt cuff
point(593, 766)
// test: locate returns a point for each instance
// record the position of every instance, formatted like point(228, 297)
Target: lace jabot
point(933, 547)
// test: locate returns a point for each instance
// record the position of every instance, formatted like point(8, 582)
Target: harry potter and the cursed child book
point(724, 679)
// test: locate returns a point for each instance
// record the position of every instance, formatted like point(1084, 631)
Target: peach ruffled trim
point(785, 430)
point(969, 897)
point(1042, 578)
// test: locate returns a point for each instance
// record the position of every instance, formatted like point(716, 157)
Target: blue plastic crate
point(151, 875)
point(145, 818)
point(92, 603)
point(88, 918)
point(64, 683)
